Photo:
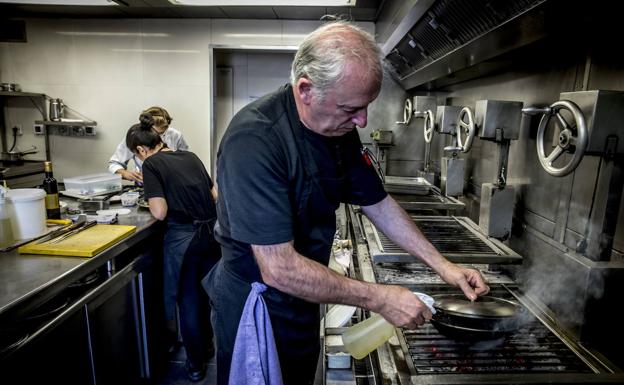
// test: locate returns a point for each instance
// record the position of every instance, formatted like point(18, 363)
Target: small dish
point(114, 211)
point(129, 198)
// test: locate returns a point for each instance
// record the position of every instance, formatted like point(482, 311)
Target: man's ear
point(304, 90)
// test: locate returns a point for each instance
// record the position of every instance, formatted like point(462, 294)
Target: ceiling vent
point(451, 35)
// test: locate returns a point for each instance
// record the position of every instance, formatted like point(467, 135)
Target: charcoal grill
point(418, 275)
point(531, 355)
point(457, 238)
point(435, 200)
point(417, 194)
point(537, 353)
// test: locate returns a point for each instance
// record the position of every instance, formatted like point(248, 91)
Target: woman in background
point(179, 190)
point(118, 163)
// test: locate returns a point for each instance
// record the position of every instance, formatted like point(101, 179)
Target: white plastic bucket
point(27, 212)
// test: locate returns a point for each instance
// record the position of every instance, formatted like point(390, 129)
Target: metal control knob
point(465, 126)
point(407, 112)
point(428, 125)
point(572, 139)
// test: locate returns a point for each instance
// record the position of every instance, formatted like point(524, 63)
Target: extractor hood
point(426, 40)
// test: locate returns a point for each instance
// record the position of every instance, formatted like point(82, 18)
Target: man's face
point(344, 106)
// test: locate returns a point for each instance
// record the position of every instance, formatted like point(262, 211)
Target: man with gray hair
point(285, 164)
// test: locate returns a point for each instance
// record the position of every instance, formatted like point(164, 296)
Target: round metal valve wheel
point(572, 139)
point(428, 125)
point(407, 112)
point(465, 126)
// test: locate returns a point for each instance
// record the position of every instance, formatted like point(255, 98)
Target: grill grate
point(430, 198)
point(448, 236)
point(532, 349)
point(410, 274)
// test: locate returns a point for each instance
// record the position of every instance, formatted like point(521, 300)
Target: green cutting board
point(86, 243)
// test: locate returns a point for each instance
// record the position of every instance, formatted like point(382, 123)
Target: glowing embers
point(531, 349)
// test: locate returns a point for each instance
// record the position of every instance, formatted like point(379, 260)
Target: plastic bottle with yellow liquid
point(364, 337)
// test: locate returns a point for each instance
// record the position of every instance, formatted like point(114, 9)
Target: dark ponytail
point(146, 121)
point(143, 134)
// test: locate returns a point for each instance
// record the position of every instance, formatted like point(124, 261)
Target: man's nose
point(360, 117)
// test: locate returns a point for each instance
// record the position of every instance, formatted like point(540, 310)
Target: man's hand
point(393, 221)
point(470, 281)
point(134, 176)
point(402, 308)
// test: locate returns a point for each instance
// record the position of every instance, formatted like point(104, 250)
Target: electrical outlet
point(39, 130)
point(63, 130)
point(78, 131)
point(90, 130)
point(19, 131)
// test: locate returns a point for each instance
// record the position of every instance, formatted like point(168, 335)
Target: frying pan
point(486, 318)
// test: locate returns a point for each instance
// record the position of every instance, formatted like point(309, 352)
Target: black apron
point(295, 321)
point(178, 238)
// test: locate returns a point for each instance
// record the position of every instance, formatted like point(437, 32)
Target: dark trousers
point(193, 303)
point(297, 344)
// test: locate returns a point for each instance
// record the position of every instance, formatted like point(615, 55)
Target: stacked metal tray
point(407, 185)
point(459, 239)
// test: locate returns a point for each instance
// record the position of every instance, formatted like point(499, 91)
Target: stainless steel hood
point(427, 40)
point(364, 10)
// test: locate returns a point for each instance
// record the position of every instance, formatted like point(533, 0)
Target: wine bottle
point(50, 186)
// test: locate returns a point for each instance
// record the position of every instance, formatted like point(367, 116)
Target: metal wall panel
point(383, 114)
point(559, 207)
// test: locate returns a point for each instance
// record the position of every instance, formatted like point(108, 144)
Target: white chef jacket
point(172, 138)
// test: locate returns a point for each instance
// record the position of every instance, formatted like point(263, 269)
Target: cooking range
point(538, 351)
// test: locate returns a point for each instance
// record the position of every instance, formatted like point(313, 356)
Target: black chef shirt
point(260, 179)
point(181, 178)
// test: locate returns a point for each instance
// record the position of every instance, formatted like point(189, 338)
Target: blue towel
point(255, 360)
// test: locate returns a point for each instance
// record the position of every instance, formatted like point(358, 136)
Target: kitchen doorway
point(240, 77)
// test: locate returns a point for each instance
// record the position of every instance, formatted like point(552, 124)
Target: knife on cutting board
point(63, 230)
point(73, 232)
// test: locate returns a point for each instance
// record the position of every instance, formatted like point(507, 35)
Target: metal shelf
point(22, 94)
point(50, 127)
point(62, 123)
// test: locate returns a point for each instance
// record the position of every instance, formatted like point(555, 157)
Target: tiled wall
point(110, 70)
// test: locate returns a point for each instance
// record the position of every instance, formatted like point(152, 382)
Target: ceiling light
point(113, 34)
point(269, 3)
point(61, 2)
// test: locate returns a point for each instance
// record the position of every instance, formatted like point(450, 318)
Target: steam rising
point(562, 284)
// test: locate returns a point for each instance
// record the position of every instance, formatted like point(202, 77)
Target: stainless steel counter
point(26, 280)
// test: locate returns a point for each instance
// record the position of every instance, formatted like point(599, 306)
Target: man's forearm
point(395, 223)
point(288, 271)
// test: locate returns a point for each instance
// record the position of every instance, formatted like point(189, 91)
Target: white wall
point(110, 70)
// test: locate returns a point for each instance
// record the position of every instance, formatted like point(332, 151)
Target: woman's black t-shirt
point(182, 180)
